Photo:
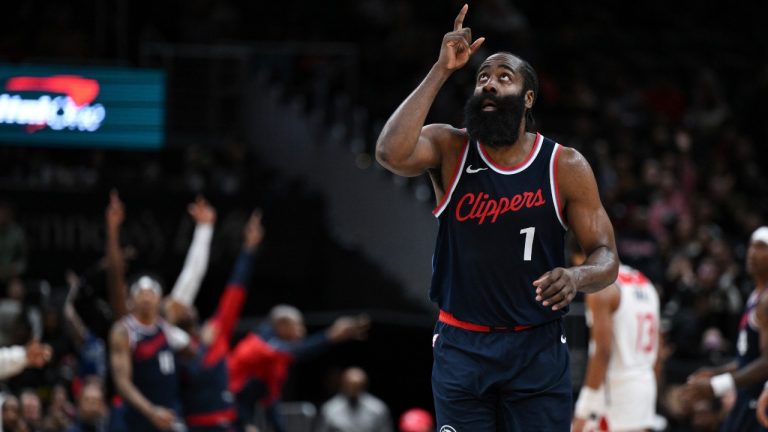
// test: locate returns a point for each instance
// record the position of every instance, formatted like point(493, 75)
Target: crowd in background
point(57, 371)
point(665, 103)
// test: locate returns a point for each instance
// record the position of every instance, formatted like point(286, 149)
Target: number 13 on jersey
point(647, 332)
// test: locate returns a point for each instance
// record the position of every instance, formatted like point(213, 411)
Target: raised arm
point(407, 147)
point(593, 231)
point(196, 263)
point(218, 330)
point(343, 329)
point(601, 307)
point(122, 375)
point(118, 291)
point(75, 326)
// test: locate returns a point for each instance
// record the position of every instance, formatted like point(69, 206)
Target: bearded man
point(506, 197)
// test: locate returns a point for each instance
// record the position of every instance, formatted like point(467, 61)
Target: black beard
point(495, 128)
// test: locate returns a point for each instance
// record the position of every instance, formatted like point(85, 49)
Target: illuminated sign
point(82, 107)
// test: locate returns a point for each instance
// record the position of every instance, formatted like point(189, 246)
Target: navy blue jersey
point(154, 369)
point(742, 415)
point(748, 343)
point(499, 230)
point(205, 394)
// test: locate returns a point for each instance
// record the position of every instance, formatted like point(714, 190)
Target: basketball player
point(143, 345)
point(206, 400)
point(748, 372)
point(260, 363)
point(620, 384)
point(505, 199)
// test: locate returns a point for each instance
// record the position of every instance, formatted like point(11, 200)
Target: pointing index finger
point(460, 18)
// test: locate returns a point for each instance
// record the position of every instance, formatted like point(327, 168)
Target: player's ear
point(530, 98)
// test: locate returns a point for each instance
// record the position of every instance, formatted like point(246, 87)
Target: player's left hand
point(696, 390)
point(556, 288)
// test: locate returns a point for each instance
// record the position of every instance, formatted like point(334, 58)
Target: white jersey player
point(619, 392)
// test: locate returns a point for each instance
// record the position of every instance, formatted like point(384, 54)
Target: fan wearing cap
point(142, 345)
point(749, 371)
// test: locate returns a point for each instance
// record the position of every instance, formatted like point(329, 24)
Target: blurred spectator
point(31, 409)
point(353, 409)
point(638, 247)
point(416, 420)
point(13, 246)
point(61, 412)
point(90, 349)
point(709, 109)
point(20, 319)
point(280, 343)
point(92, 412)
point(10, 414)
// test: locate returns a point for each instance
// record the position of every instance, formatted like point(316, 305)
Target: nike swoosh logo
point(562, 338)
point(472, 171)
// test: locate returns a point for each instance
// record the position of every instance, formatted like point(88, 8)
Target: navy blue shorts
point(513, 381)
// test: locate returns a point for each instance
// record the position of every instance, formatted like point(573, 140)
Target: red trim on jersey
point(253, 358)
point(447, 318)
point(224, 320)
point(518, 166)
point(559, 203)
point(631, 277)
point(215, 418)
point(117, 401)
point(149, 348)
point(625, 278)
point(456, 170)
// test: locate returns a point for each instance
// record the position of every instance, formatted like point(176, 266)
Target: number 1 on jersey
point(528, 242)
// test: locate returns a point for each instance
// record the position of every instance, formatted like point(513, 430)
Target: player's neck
point(761, 282)
point(515, 153)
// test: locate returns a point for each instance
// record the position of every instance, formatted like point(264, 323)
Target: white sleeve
point(195, 265)
point(13, 360)
point(177, 338)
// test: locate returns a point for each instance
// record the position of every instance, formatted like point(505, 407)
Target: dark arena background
point(277, 106)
